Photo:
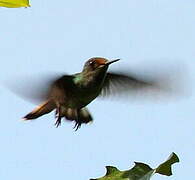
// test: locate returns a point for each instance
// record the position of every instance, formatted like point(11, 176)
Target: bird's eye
point(92, 64)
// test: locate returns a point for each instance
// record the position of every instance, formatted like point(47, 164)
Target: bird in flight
point(69, 95)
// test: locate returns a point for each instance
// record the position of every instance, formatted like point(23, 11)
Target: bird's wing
point(35, 88)
point(136, 86)
point(118, 84)
point(62, 88)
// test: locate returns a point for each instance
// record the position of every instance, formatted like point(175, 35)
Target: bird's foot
point(58, 117)
point(58, 121)
point(77, 125)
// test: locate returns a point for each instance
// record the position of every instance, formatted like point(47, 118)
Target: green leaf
point(165, 168)
point(14, 3)
point(140, 171)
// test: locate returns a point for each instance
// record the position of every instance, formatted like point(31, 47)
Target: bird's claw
point(77, 125)
point(58, 122)
point(58, 117)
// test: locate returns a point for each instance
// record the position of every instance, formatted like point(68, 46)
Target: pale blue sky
point(59, 36)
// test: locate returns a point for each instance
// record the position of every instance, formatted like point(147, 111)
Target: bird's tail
point(80, 116)
point(44, 108)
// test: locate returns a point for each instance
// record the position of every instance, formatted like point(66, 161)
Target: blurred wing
point(142, 87)
point(121, 84)
point(152, 81)
point(62, 88)
point(34, 88)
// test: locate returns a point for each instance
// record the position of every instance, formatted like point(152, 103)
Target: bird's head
point(97, 64)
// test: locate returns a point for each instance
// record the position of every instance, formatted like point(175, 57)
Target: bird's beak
point(110, 62)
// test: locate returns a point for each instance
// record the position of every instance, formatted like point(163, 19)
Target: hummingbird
point(69, 95)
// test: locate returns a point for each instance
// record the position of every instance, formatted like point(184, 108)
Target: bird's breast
point(87, 95)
